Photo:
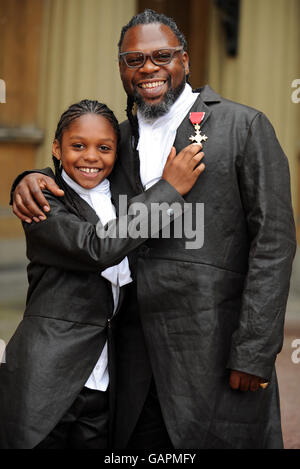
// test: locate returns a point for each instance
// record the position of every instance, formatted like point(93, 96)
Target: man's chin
point(152, 109)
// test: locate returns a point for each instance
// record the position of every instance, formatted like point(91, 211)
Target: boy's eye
point(104, 148)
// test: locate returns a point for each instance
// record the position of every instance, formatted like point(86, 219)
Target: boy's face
point(88, 150)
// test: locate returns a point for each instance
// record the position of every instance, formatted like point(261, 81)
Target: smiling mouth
point(151, 85)
point(90, 170)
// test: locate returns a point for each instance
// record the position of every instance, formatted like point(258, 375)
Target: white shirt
point(99, 198)
point(157, 137)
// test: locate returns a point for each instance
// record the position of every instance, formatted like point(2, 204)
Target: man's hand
point(244, 381)
point(29, 201)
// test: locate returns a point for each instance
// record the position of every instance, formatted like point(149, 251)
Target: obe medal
point(196, 118)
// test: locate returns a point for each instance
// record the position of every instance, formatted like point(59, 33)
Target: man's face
point(154, 87)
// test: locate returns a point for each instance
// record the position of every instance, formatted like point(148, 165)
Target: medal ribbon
point(196, 117)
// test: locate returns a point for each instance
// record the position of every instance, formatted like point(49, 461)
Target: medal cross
point(198, 138)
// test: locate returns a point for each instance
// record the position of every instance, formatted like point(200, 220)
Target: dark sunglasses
point(159, 57)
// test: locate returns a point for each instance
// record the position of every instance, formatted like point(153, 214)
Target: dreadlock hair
point(73, 112)
point(147, 17)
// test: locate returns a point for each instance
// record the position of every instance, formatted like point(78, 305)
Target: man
point(200, 332)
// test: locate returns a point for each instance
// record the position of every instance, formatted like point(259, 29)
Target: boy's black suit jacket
point(65, 324)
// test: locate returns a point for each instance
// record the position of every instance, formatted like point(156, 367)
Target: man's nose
point(149, 66)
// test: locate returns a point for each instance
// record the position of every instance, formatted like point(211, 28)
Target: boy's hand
point(28, 197)
point(244, 381)
point(183, 170)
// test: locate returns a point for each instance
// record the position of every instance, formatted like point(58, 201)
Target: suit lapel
point(186, 128)
point(129, 160)
point(85, 211)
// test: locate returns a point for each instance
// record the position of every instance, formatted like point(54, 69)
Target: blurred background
point(56, 52)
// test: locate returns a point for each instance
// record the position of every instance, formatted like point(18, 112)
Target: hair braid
point(149, 17)
point(132, 120)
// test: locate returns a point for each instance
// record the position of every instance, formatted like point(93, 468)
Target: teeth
point(89, 170)
point(152, 85)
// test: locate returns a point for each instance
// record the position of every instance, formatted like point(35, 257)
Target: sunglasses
point(159, 57)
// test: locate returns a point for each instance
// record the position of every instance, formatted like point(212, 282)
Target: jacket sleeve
point(265, 192)
point(65, 241)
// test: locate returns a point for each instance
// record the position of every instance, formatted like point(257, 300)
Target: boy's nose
point(91, 156)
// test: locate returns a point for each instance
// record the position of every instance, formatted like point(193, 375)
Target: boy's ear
point(56, 149)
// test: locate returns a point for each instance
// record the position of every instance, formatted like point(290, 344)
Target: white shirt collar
point(103, 187)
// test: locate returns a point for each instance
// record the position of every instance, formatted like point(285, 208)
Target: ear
point(56, 150)
point(186, 62)
point(121, 64)
point(121, 71)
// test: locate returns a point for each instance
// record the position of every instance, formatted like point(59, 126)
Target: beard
point(153, 111)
